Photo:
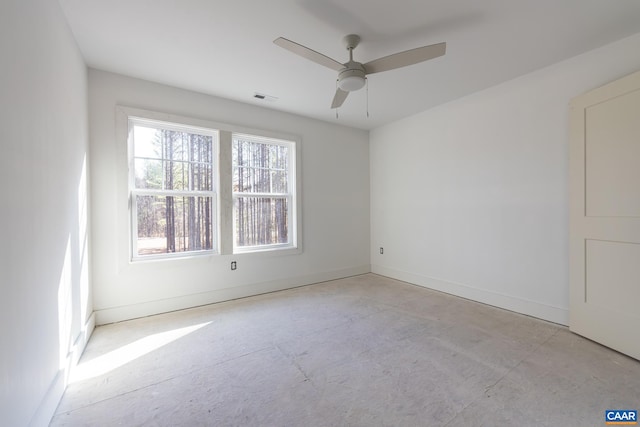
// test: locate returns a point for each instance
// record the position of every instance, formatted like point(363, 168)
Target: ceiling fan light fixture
point(351, 79)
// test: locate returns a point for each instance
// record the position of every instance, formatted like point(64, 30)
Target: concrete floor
point(362, 351)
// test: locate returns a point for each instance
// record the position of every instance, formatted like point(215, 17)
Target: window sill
point(173, 256)
point(268, 251)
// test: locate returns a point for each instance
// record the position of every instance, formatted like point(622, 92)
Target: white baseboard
point(47, 408)
point(508, 302)
point(118, 314)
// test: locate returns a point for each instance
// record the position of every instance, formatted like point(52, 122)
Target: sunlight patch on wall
point(83, 242)
point(65, 307)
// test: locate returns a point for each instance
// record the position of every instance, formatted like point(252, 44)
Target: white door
point(604, 223)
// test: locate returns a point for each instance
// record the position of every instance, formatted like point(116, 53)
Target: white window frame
point(290, 195)
point(223, 212)
point(134, 192)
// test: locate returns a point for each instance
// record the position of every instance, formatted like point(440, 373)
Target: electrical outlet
point(234, 265)
point(381, 250)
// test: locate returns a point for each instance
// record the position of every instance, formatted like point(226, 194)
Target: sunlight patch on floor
point(125, 354)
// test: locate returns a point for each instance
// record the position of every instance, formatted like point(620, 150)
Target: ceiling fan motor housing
point(352, 77)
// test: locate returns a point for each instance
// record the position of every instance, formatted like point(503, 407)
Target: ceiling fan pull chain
point(337, 107)
point(367, 82)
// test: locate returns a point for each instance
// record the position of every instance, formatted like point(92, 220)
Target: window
point(197, 187)
point(263, 193)
point(172, 188)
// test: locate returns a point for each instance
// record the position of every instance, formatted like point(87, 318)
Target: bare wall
point(335, 207)
point(471, 197)
point(45, 306)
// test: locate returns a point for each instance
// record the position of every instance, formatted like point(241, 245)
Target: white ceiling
point(225, 48)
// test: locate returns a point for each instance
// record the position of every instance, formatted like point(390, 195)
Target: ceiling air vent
point(264, 97)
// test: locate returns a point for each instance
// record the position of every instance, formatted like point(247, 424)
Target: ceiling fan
point(352, 74)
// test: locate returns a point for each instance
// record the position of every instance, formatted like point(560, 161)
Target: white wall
point(471, 197)
point(335, 211)
point(45, 304)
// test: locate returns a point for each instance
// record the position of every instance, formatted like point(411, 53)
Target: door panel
point(612, 153)
point(604, 225)
point(610, 263)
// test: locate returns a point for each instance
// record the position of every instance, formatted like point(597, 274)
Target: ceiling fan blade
point(339, 98)
point(310, 54)
point(408, 57)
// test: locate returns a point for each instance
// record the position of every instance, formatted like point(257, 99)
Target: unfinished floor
point(362, 351)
